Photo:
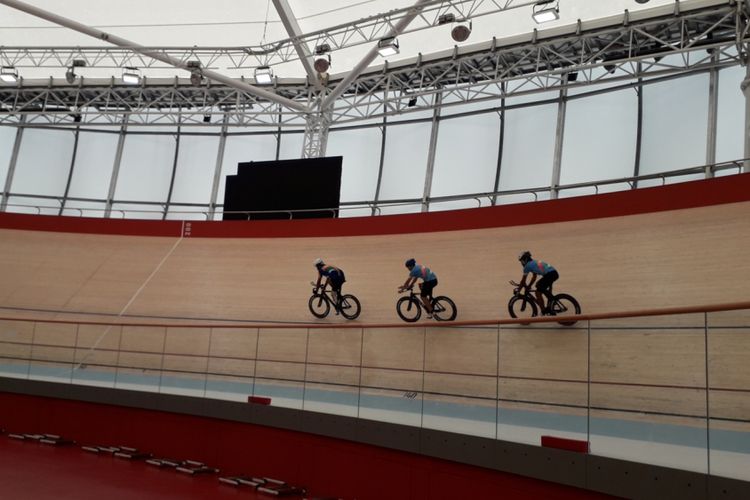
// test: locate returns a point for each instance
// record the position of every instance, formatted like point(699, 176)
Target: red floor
point(33, 471)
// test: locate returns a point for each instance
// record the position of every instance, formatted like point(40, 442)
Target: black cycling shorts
point(545, 282)
point(336, 282)
point(427, 287)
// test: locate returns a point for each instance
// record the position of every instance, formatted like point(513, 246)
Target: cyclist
point(429, 282)
point(549, 276)
point(334, 276)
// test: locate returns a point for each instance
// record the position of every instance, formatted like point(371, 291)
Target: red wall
point(730, 189)
point(323, 465)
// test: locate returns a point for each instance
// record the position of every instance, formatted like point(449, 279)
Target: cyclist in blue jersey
point(334, 276)
point(429, 282)
point(538, 268)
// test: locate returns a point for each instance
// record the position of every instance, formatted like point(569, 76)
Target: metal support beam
point(116, 167)
point(746, 90)
point(500, 147)
point(70, 171)
point(295, 35)
point(562, 107)
point(217, 169)
point(12, 165)
point(160, 56)
point(174, 172)
point(713, 106)
point(638, 130)
point(316, 134)
point(431, 153)
point(383, 131)
point(370, 56)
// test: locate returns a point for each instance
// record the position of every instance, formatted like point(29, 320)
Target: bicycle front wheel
point(521, 306)
point(563, 305)
point(319, 306)
point(350, 307)
point(444, 309)
point(408, 309)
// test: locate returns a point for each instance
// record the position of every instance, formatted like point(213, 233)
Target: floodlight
point(322, 64)
point(446, 19)
point(544, 11)
point(573, 76)
point(131, 76)
point(461, 31)
point(70, 75)
point(412, 102)
point(263, 75)
point(207, 118)
point(388, 47)
point(641, 1)
point(9, 74)
point(196, 75)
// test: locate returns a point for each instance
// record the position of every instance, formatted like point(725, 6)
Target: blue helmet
point(411, 263)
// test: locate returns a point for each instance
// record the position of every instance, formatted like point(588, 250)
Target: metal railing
point(664, 386)
point(354, 208)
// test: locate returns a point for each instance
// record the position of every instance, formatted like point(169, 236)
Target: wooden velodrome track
point(682, 257)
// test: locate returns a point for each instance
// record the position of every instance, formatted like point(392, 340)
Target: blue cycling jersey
point(537, 267)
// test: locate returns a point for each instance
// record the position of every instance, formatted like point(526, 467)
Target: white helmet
point(318, 262)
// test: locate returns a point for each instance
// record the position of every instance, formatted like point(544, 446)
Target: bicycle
point(523, 304)
point(409, 308)
point(321, 302)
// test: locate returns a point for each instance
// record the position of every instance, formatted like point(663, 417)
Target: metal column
point(639, 130)
point(713, 105)
point(380, 165)
point(559, 136)
point(174, 172)
point(500, 146)
point(70, 171)
point(746, 90)
point(217, 169)
point(12, 164)
point(116, 167)
point(431, 152)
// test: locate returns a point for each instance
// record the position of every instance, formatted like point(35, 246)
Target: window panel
point(405, 161)
point(43, 162)
point(529, 146)
point(731, 115)
point(7, 140)
point(196, 164)
point(600, 138)
point(360, 149)
point(466, 155)
point(675, 117)
point(95, 159)
point(146, 168)
point(291, 146)
point(84, 208)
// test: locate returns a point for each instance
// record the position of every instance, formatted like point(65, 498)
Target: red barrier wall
point(323, 465)
point(730, 189)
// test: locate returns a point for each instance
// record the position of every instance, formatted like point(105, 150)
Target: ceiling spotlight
point(573, 76)
point(461, 31)
point(196, 75)
point(321, 49)
point(70, 75)
point(263, 75)
point(207, 118)
point(412, 102)
point(641, 1)
point(322, 64)
point(446, 19)
point(544, 11)
point(9, 74)
point(388, 47)
point(131, 76)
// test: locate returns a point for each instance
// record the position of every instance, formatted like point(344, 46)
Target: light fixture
point(544, 11)
point(70, 75)
point(573, 76)
point(9, 74)
point(196, 75)
point(446, 18)
point(388, 47)
point(131, 76)
point(412, 102)
point(461, 30)
point(641, 1)
point(263, 75)
point(207, 118)
point(610, 68)
point(323, 61)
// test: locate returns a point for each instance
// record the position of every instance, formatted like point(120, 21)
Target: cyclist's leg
point(545, 287)
point(336, 284)
point(426, 294)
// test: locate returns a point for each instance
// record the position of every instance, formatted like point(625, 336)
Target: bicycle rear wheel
point(319, 306)
point(408, 309)
point(520, 306)
point(563, 305)
point(443, 309)
point(350, 307)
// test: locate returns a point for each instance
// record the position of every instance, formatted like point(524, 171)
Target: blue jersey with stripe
point(423, 272)
point(537, 267)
